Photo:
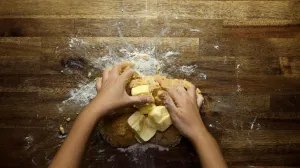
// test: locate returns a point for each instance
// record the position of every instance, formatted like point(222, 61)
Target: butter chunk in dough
point(161, 117)
point(146, 133)
point(140, 90)
point(147, 109)
point(136, 121)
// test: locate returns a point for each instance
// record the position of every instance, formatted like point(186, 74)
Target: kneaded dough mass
point(115, 128)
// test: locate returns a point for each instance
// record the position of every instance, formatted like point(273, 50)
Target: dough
point(115, 128)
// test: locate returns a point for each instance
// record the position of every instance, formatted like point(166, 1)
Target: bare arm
point(208, 151)
point(111, 95)
point(183, 106)
point(71, 152)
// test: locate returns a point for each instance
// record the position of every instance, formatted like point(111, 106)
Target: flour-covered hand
point(111, 90)
point(183, 106)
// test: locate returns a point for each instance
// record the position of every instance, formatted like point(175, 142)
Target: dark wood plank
point(160, 27)
point(78, 9)
point(269, 47)
point(261, 28)
point(221, 9)
point(267, 84)
point(31, 27)
point(285, 102)
point(14, 46)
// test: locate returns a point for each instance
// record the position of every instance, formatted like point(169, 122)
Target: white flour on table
point(147, 62)
point(137, 152)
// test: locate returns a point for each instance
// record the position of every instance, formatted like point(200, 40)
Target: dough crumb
point(61, 129)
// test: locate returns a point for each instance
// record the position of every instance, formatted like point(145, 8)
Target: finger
point(116, 70)
point(105, 75)
point(125, 76)
point(140, 100)
point(174, 94)
point(169, 103)
point(181, 90)
point(98, 83)
point(126, 66)
point(192, 92)
point(163, 83)
point(200, 100)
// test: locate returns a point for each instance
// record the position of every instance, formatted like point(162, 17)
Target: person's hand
point(111, 92)
point(183, 106)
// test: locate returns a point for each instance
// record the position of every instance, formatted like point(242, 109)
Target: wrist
point(97, 107)
point(200, 136)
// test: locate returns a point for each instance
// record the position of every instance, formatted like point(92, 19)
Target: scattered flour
point(74, 42)
point(239, 88)
point(137, 151)
point(141, 148)
point(81, 95)
point(171, 53)
point(202, 76)
point(216, 47)
point(101, 150)
point(191, 70)
point(28, 139)
point(252, 124)
point(111, 158)
point(194, 30)
point(147, 60)
point(188, 69)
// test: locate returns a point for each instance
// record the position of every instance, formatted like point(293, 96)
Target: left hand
point(111, 90)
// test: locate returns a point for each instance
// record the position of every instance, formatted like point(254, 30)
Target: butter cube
point(136, 121)
point(138, 139)
point(147, 109)
point(146, 133)
point(157, 113)
point(140, 90)
point(160, 117)
point(164, 123)
point(150, 123)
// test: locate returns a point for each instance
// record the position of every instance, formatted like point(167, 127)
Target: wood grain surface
point(248, 50)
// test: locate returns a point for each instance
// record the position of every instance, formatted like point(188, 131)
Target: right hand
point(183, 106)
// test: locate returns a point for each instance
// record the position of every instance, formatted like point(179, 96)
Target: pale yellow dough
point(156, 116)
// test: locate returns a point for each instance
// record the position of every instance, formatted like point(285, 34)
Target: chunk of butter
point(198, 91)
point(136, 121)
point(146, 133)
point(164, 123)
point(138, 138)
point(160, 117)
point(147, 109)
point(140, 90)
point(150, 123)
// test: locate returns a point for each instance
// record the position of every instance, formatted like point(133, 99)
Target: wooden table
point(249, 50)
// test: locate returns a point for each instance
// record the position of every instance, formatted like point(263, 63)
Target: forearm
point(208, 151)
point(71, 152)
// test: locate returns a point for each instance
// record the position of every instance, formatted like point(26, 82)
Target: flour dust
point(148, 60)
point(137, 152)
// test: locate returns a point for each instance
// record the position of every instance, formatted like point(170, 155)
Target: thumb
point(140, 100)
point(199, 100)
